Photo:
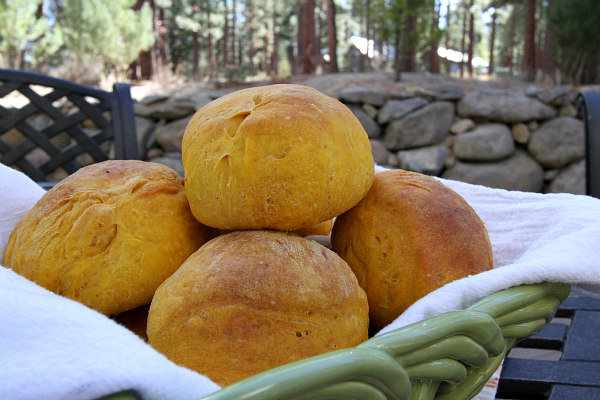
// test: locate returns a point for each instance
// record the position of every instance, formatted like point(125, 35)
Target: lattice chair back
point(49, 128)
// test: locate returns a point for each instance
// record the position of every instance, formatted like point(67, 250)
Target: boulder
point(448, 92)
point(168, 110)
point(503, 107)
point(171, 160)
point(397, 109)
point(488, 142)
point(360, 94)
point(559, 96)
point(426, 160)
point(169, 136)
point(425, 127)
point(518, 172)
point(558, 142)
point(381, 155)
point(145, 129)
point(462, 126)
point(569, 180)
point(520, 132)
point(371, 127)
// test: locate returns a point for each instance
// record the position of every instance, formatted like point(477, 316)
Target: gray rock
point(171, 160)
point(570, 180)
point(145, 129)
point(371, 127)
point(448, 92)
point(551, 174)
point(381, 155)
point(360, 94)
point(462, 126)
point(370, 110)
point(168, 110)
point(401, 95)
point(503, 107)
point(520, 132)
point(200, 100)
point(533, 90)
point(489, 142)
point(559, 96)
point(568, 110)
point(558, 142)
point(169, 136)
point(154, 98)
point(397, 109)
point(518, 172)
point(424, 127)
point(426, 160)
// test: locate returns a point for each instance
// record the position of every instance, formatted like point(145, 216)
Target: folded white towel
point(55, 348)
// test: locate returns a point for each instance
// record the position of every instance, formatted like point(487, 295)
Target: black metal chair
point(60, 122)
point(589, 103)
point(572, 371)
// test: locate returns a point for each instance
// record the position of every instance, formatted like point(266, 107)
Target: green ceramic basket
point(450, 356)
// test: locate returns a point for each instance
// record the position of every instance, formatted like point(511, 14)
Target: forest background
point(100, 41)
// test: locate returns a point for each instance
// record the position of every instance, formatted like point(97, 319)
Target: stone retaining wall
point(532, 142)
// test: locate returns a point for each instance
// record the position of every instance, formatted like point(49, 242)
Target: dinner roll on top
point(249, 301)
point(410, 235)
point(279, 157)
point(107, 235)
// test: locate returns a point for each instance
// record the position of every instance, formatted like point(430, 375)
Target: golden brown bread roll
point(249, 301)
point(279, 157)
point(107, 235)
point(409, 236)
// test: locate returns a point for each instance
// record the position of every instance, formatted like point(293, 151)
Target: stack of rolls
point(235, 283)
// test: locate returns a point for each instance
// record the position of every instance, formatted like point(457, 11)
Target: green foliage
point(110, 31)
point(23, 35)
point(576, 35)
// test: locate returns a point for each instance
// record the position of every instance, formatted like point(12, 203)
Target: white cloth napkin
point(55, 348)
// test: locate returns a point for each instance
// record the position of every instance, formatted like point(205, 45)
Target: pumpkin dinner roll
point(107, 235)
point(282, 157)
point(410, 235)
point(249, 301)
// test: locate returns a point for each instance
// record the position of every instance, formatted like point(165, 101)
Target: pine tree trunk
point(470, 47)
point(250, 36)
point(409, 52)
point(196, 56)
point(397, 49)
point(434, 62)
point(492, 40)
point(274, 67)
point(529, 50)
point(511, 43)
point(447, 38)
point(548, 69)
point(332, 37)
point(233, 33)
point(210, 55)
point(226, 35)
point(462, 43)
point(308, 37)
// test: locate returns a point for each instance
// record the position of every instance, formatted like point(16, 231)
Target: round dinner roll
point(107, 235)
point(410, 235)
point(249, 301)
point(279, 157)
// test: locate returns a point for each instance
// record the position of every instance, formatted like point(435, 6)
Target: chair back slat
point(589, 103)
point(62, 126)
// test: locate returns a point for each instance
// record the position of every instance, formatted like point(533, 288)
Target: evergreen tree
point(110, 31)
point(25, 34)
